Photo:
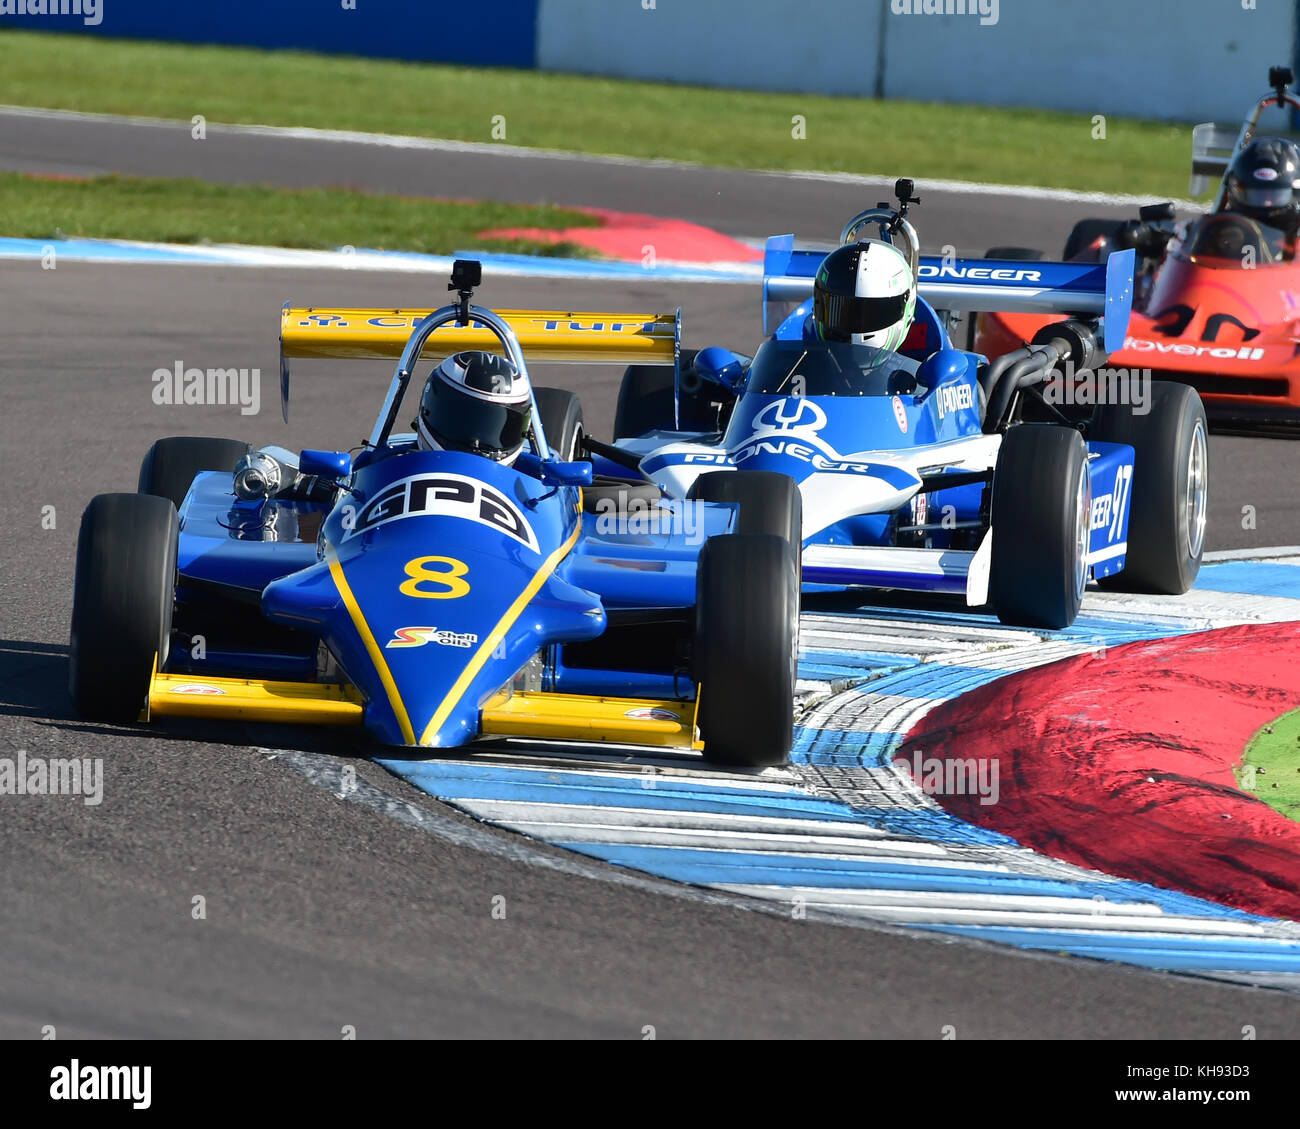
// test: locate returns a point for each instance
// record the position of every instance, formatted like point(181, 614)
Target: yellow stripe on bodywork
point(498, 633)
point(372, 648)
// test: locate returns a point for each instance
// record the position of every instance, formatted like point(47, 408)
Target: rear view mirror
point(557, 473)
point(325, 464)
point(553, 472)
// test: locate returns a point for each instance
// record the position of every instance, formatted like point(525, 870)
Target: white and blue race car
point(979, 480)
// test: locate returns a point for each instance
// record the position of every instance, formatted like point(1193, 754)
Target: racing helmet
point(476, 402)
point(1262, 183)
point(865, 293)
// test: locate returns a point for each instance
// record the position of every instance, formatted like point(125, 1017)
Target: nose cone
point(430, 612)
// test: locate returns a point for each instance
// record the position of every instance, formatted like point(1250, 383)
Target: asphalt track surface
point(322, 912)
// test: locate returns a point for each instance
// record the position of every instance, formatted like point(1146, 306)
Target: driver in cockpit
point(1261, 192)
point(864, 293)
point(1262, 183)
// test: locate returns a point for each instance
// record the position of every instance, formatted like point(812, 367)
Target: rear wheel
point(122, 606)
point(1042, 508)
point(1170, 491)
point(1086, 233)
point(171, 465)
point(1026, 254)
point(746, 649)
point(561, 415)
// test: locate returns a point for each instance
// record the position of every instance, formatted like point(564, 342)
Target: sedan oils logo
point(419, 636)
point(953, 398)
point(445, 495)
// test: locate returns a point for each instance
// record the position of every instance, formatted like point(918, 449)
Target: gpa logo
point(198, 689)
point(900, 414)
point(952, 398)
point(445, 495)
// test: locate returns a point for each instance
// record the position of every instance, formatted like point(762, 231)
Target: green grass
point(1271, 766)
point(594, 115)
point(191, 211)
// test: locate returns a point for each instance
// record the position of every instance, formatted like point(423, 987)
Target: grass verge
point(192, 211)
point(594, 115)
point(1271, 766)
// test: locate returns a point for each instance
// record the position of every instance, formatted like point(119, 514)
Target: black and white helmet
point(1264, 182)
point(476, 402)
point(865, 293)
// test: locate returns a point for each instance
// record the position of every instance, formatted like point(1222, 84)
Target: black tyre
point(169, 468)
point(746, 649)
point(1042, 511)
point(1085, 234)
point(561, 414)
point(122, 607)
point(1170, 490)
point(1027, 254)
point(645, 400)
point(769, 502)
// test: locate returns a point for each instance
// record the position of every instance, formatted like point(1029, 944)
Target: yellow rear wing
point(544, 335)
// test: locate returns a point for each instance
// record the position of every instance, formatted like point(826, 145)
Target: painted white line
point(488, 149)
point(1253, 554)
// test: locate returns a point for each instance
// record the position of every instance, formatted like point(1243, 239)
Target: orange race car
point(1217, 297)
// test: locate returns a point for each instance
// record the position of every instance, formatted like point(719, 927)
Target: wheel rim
point(1083, 530)
point(1198, 490)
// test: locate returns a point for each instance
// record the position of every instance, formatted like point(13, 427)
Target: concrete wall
point(1189, 60)
point(431, 30)
point(1185, 60)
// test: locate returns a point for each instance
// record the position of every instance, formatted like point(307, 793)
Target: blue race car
point(1011, 484)
point(437, 597)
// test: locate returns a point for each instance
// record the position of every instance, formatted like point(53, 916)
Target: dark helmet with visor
point(1263, 181)
point(476, 402)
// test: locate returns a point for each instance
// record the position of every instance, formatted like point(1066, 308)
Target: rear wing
point(544, 335)
point(1213, 147)
point(975, 286)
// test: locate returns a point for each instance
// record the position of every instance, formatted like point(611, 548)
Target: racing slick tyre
point(1085, 233)
point(645, 400)
point(769, 502)
point(1042, 522)
point(1028, 254)
point(746, 649)
point(561, 414)
point(1171, 488)
point(169, 468)
point(122, 605)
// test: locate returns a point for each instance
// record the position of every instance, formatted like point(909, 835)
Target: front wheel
point(1171, 487)
point(1041, 520)
point(170, 467)
point(746, 648)
point(122, 606)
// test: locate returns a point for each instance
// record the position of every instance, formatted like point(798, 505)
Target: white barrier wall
point(1189, 60)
